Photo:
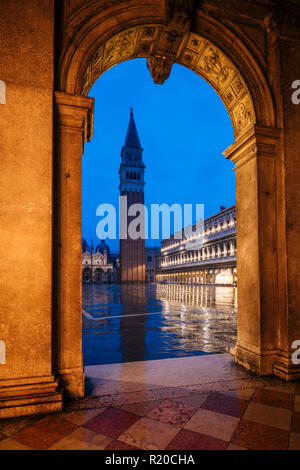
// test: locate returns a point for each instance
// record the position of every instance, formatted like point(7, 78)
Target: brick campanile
point(132, 169)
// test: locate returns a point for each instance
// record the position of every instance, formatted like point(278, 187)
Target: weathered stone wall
point(26, 44)
point(26, 186)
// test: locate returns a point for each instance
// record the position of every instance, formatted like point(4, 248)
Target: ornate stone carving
point(162, 46)
point(169, 42)
point(178, 21)
point(243, 114)
point(195, 43)
point(214, 67)
point(167, 46)
point(229, 96)
point(148, 33)
point(119, 47)
point(159, 68)
point(238, 85)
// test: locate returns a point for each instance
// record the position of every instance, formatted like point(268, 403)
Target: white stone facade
point(203, 256)
point(95, 267)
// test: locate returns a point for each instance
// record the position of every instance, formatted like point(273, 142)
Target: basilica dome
point(103, 246)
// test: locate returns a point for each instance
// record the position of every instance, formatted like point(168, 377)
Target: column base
point(72, 382)
point(285, 370)
point(260, 363)
point(21, 397)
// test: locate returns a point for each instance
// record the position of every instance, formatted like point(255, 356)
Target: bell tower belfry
point(132, 169)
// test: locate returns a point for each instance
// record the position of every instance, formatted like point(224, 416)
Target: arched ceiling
point(188, 49)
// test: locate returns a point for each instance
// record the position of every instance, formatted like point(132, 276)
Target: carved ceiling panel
point(161, 47)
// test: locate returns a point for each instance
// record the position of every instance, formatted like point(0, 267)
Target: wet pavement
point(128, 323)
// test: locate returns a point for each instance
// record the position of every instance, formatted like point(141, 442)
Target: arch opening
point(253, 117)
point(187, 129)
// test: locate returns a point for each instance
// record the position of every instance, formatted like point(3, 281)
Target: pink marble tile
point(149, 434)
point(227, 404)
point(257, 436)
point(172, 412)
point(188, 440)
point(112, 422)
point(44, 433)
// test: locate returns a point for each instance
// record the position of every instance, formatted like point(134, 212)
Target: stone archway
point(99, 275)
point(86, 274)
point(229, 65)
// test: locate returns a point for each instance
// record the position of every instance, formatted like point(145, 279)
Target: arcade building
point(213, 261)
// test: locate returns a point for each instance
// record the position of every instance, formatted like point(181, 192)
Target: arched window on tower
point(127, 175)
point(139, 176)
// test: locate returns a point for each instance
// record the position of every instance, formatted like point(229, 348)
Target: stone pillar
point(73, 123)
point(284, 41)
point(257, 164)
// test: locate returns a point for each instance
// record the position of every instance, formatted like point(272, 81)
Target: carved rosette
point(208, 61)
point(162, 47)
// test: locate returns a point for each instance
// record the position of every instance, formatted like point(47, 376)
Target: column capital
point(74, 112)
point(257, 141)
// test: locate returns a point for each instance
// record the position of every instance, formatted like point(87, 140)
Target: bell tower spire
point(132, 167)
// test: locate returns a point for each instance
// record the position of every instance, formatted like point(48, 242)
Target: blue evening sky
point(183, 127)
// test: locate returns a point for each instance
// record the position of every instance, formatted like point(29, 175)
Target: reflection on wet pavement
point(125, 323)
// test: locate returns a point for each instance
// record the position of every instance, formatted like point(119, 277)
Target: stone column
point(256, 159)
point(283, 42)
point(73, 117)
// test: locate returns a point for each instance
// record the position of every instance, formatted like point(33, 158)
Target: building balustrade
point(217, 251)
point(221, 259)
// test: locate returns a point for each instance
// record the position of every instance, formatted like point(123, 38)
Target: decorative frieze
point(162, 45)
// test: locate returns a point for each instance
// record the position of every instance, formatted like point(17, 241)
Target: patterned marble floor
point(226, 410)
